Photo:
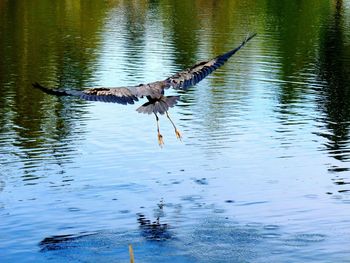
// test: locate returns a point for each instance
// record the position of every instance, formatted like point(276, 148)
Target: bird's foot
point(178, 134)
point(160, 140)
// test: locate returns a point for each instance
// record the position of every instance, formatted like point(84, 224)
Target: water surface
point(262, 173)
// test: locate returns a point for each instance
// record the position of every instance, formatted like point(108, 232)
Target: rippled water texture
point(262, 173)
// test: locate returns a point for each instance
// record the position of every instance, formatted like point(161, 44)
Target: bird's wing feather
point(191, 76)
point(122, 95)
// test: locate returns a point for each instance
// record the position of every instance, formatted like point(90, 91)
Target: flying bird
point(157, 102)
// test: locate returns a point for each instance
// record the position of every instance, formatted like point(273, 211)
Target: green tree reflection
point(56, 43)
point(334, 69)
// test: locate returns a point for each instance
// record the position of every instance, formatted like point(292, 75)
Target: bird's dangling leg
point(160, 137)
point(177, 132)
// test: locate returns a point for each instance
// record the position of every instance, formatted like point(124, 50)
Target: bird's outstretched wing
point(128, 95)
point(122, 95)
point(191, 76)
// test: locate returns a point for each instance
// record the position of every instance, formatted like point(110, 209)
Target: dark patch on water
point(209, 240)
point(124, 211)
point(201, 181)
point(74, 209)
point(155, 230)
point(341, 182)
point(62, 241)
point(252, 203)
point(336, 169)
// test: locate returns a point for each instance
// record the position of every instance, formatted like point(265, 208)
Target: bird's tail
point(159, 106)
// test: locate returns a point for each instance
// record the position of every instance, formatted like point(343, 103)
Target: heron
point(157, 103)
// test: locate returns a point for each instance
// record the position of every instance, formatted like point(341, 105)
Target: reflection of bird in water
point(153, 230)
point(154, 91)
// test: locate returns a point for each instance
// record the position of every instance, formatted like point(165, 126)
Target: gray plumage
point(154, 91)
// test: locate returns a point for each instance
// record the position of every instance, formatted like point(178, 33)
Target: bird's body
point(154, 91)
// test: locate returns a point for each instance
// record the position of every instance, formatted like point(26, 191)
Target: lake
point(262, 173)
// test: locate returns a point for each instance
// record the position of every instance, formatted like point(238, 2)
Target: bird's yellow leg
point(177, 132)
point(160, 137)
